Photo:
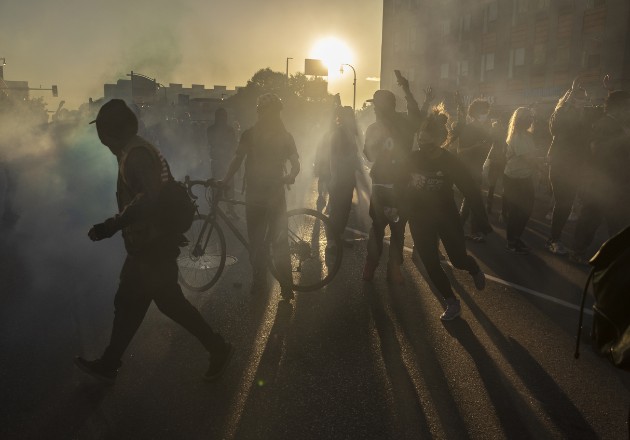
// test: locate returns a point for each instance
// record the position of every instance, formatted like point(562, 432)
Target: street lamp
point(354, 84)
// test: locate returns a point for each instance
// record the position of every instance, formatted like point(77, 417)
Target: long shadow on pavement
point(558, 406)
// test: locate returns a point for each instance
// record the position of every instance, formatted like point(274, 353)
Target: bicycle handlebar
point(209, 183)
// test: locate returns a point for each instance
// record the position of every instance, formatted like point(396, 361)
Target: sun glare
point(333, 52)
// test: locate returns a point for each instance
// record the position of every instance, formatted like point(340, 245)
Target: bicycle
point(203, 258)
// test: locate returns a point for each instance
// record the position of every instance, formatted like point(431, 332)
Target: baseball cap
point(383, 98)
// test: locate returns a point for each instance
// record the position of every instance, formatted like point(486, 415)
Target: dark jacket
point(141, 172)
point(430, 189)
point(570, 132)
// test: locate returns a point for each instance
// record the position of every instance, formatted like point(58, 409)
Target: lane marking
point(524, 289)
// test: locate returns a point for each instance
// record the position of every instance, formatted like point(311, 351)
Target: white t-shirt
point(520, 152)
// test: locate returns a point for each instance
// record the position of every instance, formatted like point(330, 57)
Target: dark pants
point(146, 279)
point(519, 200)
point(563, 184)
point(594, 213)
point(494, 174)
point(427, 229)
point(465, 211)
point(382, 198)
point(340, 205)
point(267, 225)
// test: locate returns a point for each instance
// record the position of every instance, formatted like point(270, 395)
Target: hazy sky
point(81, 44)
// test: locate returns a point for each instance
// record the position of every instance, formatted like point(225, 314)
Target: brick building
point(511, 51)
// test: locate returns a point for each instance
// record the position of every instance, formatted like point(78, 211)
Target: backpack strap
point(165, 171)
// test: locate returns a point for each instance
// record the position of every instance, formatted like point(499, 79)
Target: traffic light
point(54, 90)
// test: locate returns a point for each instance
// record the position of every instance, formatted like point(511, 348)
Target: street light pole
point(354, 84)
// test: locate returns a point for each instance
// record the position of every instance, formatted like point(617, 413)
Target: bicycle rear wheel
point(312, 267)
point(202, 260)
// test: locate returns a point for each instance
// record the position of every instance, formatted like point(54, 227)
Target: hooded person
point(266, 148)
point(150, 271)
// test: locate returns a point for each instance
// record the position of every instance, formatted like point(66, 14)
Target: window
point(489, 61)
point(563, 53)
point(519, 57)
point(540, 54)
point(590, 4)
point(445, 27)
point(590, 60)
point(522, 6)
point(543, 4)
point(463, 68)
point(493, 10)
point(444, 71)
point(467, 18)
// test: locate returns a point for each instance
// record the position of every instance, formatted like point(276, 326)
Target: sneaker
point(368, 271)
point(555, 247)
point(516, 248)
point(394, 275)
point(219, 362)
point(453, 309)
point(97, 370)
point(480, 279)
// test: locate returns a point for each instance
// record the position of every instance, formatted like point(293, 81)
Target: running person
point(433, 214)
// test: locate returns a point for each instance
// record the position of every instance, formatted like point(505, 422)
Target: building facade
point(513, 52)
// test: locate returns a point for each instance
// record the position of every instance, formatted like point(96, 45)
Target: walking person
point(567, 152)
point(607, 191)
point(150, 271)
point(518, 182)
point(266, 148)
point(388, 143)
point(433, 214)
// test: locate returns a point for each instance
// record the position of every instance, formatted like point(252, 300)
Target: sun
point(333, 52)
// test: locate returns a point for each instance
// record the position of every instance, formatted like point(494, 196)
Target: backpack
point(175, 209)
point(610, 278)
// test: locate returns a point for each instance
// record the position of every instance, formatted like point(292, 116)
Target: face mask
point(482, 118)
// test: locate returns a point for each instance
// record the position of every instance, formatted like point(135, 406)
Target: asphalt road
point(355, 360)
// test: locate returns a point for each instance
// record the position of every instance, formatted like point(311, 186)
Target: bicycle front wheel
point(203, 258)
point(314, 253)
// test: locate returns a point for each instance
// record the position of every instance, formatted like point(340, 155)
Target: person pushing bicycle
point(266, 147)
